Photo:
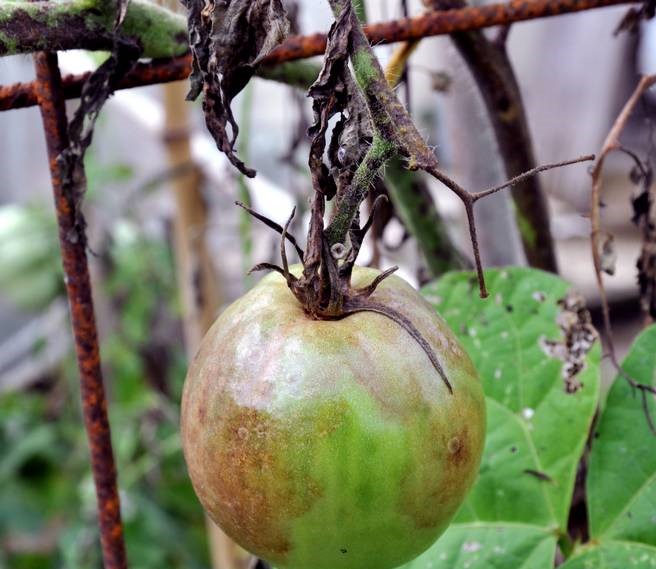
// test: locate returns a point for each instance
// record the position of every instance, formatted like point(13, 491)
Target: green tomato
point(331, 444)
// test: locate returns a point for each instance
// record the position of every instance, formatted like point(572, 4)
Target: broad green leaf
point(621, 481)
point(614, 555)
point(490, 546)
point(505, 490)
point(530, 409)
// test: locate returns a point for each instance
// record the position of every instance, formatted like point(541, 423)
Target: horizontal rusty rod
point(441, 23)
point(21, 95)
point(78, 289)
point(430, 24)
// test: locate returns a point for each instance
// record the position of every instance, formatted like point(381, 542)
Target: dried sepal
point(275, 226)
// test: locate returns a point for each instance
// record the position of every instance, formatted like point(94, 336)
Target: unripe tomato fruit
point(331, 444)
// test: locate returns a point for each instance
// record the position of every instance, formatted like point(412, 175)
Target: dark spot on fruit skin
point(343, 550)
point(454, 451)
point(513, 449)
point(202, 412)
point(509, 308)
point(458, 448)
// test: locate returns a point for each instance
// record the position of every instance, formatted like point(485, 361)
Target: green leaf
point(536, 427)
point(490, 546)
point(505, 336)
point(621, 481)
point(614, 555)
point(504, 490)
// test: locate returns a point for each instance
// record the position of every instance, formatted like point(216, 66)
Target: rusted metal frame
point(23, 95)
point(78, 288)
point(300, 47)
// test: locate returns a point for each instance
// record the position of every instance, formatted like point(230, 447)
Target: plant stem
point(360, 8)
point(245, 221)
point(74, 24)
point(347, 207)
point(300, 74)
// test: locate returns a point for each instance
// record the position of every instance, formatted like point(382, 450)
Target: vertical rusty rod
point(78, 288)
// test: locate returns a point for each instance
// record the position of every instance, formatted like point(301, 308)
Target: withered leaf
point(643, 217)
point(329, 94)
point(631, 20)
point(96, 90)
point(228, 39)
point(333, 93)
point(579, 335)
point(608, 254)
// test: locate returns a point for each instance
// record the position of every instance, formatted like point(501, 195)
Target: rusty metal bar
point(78, 289)
point(299, 47)
point(21, 95)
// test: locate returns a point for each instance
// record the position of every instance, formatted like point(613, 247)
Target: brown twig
point(611, 144)
point(529, 174)
point(493, 73)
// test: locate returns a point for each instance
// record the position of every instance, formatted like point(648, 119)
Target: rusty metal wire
point(78, 288)
point(22, 95)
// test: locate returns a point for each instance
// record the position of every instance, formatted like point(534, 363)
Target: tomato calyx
point(324, 287)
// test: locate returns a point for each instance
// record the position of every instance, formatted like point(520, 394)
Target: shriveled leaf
point(614, 555)
point(530, 342)
point(621, 482)
point(97, 88)
point(490, 546)
point(643, 217)
point(228, 39)
point(329, 97)
point(335, 92)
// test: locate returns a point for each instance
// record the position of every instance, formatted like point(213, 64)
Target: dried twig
point(611, 144)
point(493, 74)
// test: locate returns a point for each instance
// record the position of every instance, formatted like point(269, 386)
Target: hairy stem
point(360, 8)
point(347, 208)
point(81, 24)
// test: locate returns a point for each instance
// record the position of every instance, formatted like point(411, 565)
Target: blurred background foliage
point(47, 500)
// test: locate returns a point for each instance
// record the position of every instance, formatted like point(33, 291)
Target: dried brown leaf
point(228, 39)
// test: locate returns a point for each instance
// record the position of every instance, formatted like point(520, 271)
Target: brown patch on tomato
point(433, 495)
point(459, 448)
point(244, 476)
point(202, 412)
